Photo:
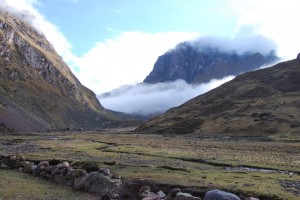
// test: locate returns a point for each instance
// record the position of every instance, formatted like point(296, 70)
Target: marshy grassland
point(190, 161)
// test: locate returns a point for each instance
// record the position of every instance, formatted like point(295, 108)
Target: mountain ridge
point(37, 87)
point(255, 103)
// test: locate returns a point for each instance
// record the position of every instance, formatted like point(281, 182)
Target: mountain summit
point(37, 89)
point(198, 64)
point(265, 101)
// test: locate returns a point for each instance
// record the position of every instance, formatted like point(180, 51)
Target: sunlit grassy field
point(187, 160)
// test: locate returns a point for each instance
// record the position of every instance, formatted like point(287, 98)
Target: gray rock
point(152, 196)
point(29, 168)
point(144, 191)
point(161, 194)
point(66, 164)
point(174, 191)
point(183, 196)
point(44, 163)
point(203, 63)
point(60, 179)
point(100, 184)
point(298, 56)
point(105, 171)
point(79, 183)
point(220, 195)
point(3, 165)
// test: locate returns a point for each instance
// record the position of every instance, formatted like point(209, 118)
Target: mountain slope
point(37, 89)
point(201, 64)
point(265, 101)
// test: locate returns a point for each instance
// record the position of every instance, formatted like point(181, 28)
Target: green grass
point(21, 186)
point(180, 160)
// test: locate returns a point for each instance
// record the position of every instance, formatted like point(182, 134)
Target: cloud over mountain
point(149, 99)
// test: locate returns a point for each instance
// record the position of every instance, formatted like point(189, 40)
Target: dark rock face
point(298, 56)
point(197, 66)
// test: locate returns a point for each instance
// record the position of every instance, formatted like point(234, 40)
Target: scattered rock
point(220, 195)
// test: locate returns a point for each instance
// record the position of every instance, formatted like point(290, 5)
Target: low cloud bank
point(150, 99)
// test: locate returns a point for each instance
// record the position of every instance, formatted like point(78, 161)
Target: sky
point(112, 43)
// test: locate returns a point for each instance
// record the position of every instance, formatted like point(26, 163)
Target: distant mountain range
point(38, 91)
point(201, 64)
point(265, 101)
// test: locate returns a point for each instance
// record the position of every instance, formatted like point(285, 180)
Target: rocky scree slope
point(201, 64)
point(265, 101)
point(37, 89)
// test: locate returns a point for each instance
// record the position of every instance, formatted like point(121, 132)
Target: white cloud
point(51, 31)
point(126, 59)
point(277, 20)
point(148, 99)
point(242, 43)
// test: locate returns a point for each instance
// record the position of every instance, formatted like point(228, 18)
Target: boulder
point(220, 195)
point(183, 196)
point(100, 184)
point(3, 165)
point(105, 171)
point(144, 191)
point(174, 192)
point(152, 196)
point(29, 168)
point(79, 183)
point(60, 179)
point(44, 163)
point(161, 194)
point(65, 164)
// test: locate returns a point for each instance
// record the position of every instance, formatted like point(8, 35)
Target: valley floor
point(271, 164)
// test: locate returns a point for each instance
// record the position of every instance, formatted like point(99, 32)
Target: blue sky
point(110, 43)
point(86, 22)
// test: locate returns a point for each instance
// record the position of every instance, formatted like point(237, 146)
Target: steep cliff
point(201, 64)
point(37, 89)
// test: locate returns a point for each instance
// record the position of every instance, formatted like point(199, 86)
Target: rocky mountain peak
point(197, 64)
